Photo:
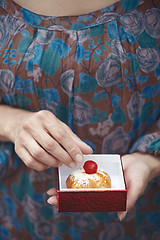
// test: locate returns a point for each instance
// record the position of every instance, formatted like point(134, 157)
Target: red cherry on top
point(90, 167)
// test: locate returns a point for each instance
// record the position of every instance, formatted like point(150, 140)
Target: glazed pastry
point(88, 177)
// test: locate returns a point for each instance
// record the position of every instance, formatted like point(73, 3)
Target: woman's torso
point(99, 73)
point(64, 7)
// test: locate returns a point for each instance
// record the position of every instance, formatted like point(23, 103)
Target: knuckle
point(26, 125)
point(37, 153)
point(20, 139)
point(49, 145)
point(18, 149)
point(41, 168)
point(30, 163)
point(67, 160)
point(43, 114)
point(72, 150)
point(55, 163)
point(58, 164)
point(60, 134)
point(40, 114)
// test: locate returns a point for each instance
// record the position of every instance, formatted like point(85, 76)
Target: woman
point(85, 79)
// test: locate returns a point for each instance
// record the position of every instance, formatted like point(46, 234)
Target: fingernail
point(122, 216)
point(48, 192)
point(91, 149)
point(49, 201)
point(72, 165)
point(60, 164)
point(79, 158)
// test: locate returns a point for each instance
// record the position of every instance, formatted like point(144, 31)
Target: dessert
point(89, 176)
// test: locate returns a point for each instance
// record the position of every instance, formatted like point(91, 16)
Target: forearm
point(9, 121)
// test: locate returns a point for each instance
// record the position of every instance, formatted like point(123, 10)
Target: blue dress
point(100, 74)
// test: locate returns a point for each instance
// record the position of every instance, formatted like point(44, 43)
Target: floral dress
point(100, 74)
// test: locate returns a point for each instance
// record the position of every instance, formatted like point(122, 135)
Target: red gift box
point(94, 200)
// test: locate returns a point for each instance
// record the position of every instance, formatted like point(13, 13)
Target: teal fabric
point(154, 146)
point(98, 73)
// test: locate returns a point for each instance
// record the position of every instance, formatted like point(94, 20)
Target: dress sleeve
point(9, 161)
point(149, 142)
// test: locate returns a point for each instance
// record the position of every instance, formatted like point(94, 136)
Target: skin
point(137, 166)
point(42, 141)
point(64, 7)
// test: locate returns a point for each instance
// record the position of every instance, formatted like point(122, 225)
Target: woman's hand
point(53, 199)
point(139, 169)
point(43, 141)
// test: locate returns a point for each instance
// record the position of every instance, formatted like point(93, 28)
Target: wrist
point(152, 162)
point(12, 120)
point(19, 118)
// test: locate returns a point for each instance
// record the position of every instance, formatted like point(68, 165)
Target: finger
point(85, 148)
point(29, 161)
point(65, 140)
point(134, 191)
point(66, 150)
point(126, 159)
point(52, 192)
point(130, 203)
point(136, 180)
point(38, 153)
point(121, 215)
point(53, 200)
point(58, 155)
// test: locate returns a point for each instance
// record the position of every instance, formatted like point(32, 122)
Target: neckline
point(79, 22)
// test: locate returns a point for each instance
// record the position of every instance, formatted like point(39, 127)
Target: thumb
point(134, 191)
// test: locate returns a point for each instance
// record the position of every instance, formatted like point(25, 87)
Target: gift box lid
point(94, 200)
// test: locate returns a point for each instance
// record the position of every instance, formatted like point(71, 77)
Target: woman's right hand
point(43, 141)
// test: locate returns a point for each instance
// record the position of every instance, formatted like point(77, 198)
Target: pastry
point(89, 176)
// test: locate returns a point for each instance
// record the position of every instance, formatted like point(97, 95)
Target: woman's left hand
point(139, 169)
point(53, 196)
